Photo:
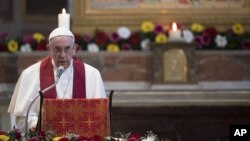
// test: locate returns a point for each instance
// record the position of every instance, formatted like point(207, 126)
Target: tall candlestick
point(175, 33)
point(64, 19)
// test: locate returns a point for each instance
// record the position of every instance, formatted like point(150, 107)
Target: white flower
point(150, 138)
point(145, 44)
point(25, 48)
point(124, 32)
point(221, 41)
point(121, 139)
point(114, 138)
point(188, 35)
point(92, 47)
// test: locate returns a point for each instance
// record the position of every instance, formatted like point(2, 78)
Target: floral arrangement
point(206, 38)
point(17, 135)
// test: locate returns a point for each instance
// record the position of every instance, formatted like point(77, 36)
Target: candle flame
point(63, 11)
point(174, 26)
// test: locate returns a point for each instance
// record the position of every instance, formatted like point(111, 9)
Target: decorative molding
point(181, 98)
point(88, 18)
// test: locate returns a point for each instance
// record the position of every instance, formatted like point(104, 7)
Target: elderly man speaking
point(79, 80)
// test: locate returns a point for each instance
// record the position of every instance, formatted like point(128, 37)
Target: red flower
point(95, 138)
point(246, 44)
point(210, 31)
point(41, 46)
point(134, 137)
point(2, 48)
point(101, 38)
point(114, 37)
point(206, 39)
point(28, 39)
point(198, 40)
point(158, 29)
point(18, 135)
point(134, 39)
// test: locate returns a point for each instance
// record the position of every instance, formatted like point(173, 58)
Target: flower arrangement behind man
point(123, 39)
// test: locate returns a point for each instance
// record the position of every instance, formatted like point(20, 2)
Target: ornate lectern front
point(85, 117)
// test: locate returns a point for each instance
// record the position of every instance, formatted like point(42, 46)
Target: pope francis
point(79, 80)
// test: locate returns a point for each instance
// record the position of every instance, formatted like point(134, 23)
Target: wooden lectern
point(85, 117)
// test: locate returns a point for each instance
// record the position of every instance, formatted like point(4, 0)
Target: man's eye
point(67, 49)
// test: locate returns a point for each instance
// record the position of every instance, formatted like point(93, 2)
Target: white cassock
point(28, 87)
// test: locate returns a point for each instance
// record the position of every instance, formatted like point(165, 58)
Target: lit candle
point(64, 19)
point(175, 33)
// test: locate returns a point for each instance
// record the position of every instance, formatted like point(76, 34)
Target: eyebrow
point(59, 47)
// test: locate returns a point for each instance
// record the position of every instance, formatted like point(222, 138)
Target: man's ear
point(75, 47)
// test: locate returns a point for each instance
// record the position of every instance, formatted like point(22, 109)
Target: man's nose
point(63, 53)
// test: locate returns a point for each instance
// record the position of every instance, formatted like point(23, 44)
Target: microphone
point(59, 72)
point(41, 92)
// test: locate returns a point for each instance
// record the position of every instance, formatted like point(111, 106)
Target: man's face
point(62, 50)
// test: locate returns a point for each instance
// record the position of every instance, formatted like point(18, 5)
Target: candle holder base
point(176, 40)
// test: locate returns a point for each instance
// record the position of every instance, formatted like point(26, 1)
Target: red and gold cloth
point(85, 117)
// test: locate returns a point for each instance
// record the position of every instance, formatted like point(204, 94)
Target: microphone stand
point(110, 102)
point(110, 107)
point(41, 101)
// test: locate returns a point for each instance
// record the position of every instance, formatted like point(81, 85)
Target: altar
point(181, 115)
point(180, 112)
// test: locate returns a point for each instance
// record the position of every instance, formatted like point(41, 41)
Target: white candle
point(64, 19)
point(175, 33)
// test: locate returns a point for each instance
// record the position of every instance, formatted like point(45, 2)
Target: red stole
point(47, 78)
